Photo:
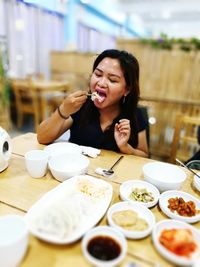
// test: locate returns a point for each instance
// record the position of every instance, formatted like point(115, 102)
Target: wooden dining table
point(43, 91)
point(18, 192)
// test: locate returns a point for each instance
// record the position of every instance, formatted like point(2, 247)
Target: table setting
point(82, 201)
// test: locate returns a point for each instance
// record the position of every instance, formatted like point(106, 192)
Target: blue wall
point(97, 15)
point(51, 5)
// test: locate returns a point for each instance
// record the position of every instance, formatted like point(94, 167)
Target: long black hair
point(130, 69)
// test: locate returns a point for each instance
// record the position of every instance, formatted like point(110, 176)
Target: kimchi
point(178, 241)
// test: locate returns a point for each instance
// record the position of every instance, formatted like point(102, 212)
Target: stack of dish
point(66, 160)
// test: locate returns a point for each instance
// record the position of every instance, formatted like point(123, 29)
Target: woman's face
point(109, 82)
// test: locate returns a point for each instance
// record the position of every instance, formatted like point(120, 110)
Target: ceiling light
point(166, 15)
point(152, 120)
point(19, 25)
point(85, 1)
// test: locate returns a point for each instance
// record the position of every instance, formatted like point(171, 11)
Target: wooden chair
point(35, 76)
point(185, 142)
point(26, 101)
point(52, 98)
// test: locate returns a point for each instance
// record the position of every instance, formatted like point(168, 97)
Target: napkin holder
point(5, 149)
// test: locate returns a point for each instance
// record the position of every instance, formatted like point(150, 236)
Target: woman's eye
point(97, 74)
point(113, 81)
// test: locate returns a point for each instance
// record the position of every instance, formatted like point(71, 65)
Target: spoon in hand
point(110, 171)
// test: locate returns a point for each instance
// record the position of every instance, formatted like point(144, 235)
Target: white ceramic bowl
point(196, 181)
point(142, 211)
point(163, 203)
point(127, 187)
point(13, 240)
point(164, 176)
point(108, 233)
point(174, 224)
point(63, 147)
point(67, 165)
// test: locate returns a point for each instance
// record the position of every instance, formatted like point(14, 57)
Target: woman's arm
point(60, 121)
point(122, 134)
point(142, 148)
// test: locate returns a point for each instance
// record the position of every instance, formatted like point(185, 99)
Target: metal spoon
point(182, 164)
point(110, 171)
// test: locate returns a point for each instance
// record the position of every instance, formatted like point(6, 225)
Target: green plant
point(5, 85)
point(163, 42)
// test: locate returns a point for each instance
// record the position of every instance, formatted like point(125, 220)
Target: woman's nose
point(102, 82)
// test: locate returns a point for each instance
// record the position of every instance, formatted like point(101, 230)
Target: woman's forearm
point(53, 127)
point(128, 149)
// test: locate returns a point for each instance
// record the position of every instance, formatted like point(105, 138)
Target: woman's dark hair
point(130, 69)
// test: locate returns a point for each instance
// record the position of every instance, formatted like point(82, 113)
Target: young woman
point(112, 120)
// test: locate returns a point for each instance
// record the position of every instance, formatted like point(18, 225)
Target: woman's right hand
point(73, 102)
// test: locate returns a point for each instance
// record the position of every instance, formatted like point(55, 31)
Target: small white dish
point(67, 165)
point(196, 181)
point(127, 187)
point(101, 236)
point(163, 203)
point(164, 176)
point(63, 147)
point(172, 257)
point(14, 238)
point(142, 212)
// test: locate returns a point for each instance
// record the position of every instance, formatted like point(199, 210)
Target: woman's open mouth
point(101, 96)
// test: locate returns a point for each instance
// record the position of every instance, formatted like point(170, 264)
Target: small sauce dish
point(104, 246)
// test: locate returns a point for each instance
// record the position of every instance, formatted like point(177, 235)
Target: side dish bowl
point(170, 256)
point(126, 219)
point(164, 176)
point(172, 194)
point(67, 165)
point(128, 187)
point(104, 242)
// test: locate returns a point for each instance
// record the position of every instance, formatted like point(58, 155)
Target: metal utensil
point(110, 171)
point(143, 259)
point(182, 164)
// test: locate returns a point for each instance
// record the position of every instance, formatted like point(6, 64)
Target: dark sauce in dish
point(104, 248)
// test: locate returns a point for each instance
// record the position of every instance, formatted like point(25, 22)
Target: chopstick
point(16, 154)
point(142, 259)
point(183, 165)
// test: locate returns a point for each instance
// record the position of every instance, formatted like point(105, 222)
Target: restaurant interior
point(47, 50)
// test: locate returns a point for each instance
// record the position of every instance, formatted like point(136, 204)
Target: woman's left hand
point(122, 132)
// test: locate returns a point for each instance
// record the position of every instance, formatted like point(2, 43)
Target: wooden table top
point(42, 84)
point(18, 192)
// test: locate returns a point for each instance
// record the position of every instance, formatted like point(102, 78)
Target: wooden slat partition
point(74, 67)
point(168, 74)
